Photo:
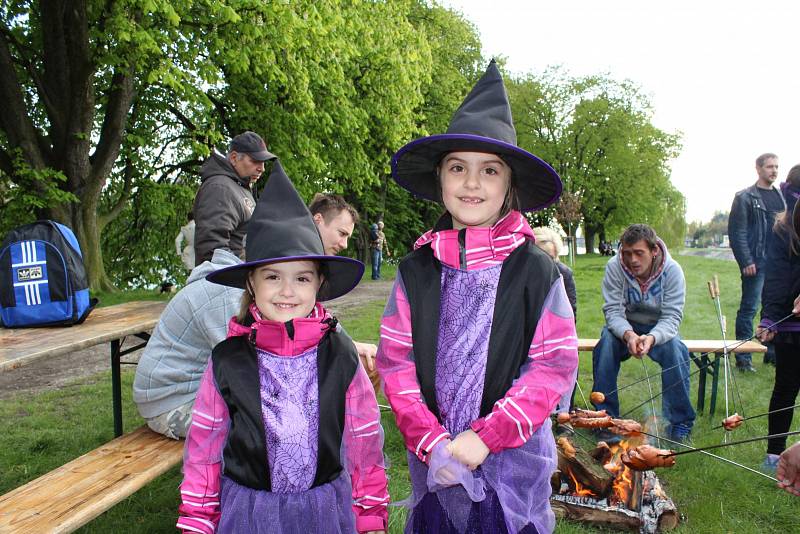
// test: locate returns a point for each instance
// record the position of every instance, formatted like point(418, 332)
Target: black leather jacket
point(749, 226)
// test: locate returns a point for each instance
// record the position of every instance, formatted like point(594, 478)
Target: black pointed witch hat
point(482, 123)
point(282, 229)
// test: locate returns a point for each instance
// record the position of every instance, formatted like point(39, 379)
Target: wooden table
point(112, 324)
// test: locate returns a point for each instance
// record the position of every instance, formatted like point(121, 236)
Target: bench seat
point(75, 493)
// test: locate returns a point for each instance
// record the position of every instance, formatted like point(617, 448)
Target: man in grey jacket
point(644, 293)
point(196, 319)
point(224, 202)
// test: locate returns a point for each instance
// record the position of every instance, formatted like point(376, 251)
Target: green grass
point(41, 432)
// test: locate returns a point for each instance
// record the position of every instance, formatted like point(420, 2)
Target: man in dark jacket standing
point(749, 226)
point(224, 202)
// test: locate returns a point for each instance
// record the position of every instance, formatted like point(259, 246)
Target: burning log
point(584, 474)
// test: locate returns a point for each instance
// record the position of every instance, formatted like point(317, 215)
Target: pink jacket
point(549, 373)
point(363, 435)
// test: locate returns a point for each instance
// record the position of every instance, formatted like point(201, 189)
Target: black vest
point(237, 377)
point(525, 280)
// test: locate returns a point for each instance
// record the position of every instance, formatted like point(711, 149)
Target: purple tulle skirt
point(517, 483)
point(326, 509)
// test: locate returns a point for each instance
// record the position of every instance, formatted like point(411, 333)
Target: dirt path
point(81, 366)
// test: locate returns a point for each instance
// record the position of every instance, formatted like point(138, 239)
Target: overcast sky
point(725, 74)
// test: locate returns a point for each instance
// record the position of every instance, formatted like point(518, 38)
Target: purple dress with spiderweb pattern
point(516, 480)
point(290, 409)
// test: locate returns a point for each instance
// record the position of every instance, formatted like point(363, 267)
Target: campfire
point(595, 486)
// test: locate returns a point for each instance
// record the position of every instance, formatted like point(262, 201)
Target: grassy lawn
point(39, 433)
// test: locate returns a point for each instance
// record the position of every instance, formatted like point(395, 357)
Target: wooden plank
point(21, 346)
point(694, 345)
point(77, 492)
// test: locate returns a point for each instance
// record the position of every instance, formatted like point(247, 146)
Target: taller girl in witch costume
point(285, 435)
point(478, 340)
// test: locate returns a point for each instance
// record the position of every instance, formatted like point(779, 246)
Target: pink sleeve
point(550, 372)
point(363, 454)
point(202, 463)
point(420, 428)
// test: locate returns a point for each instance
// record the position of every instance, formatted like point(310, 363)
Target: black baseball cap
point(250, 143)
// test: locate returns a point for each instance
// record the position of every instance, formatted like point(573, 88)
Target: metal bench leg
point(702, 363)
point(714, 384)
point(116, 386)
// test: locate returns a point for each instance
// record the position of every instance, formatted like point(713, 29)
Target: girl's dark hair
point(784, 227)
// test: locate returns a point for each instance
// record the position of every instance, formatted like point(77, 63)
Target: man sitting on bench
point(644, 292)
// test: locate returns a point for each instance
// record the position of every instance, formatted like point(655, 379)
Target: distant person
point(781, 285)
point(749, 226)
point(196, 319)
point(186, 234)
point(224, 201)
point(377, 246)
point(644, 293)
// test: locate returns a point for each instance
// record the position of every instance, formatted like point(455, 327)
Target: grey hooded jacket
point(222, 207)
point(194, 321)
point(659, 303)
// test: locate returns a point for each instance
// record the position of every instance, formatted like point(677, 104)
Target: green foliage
point(140, 243)
point(597, 133)
point(34, 189)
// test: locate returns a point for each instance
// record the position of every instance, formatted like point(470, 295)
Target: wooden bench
point(75, 493)
point(699, 351)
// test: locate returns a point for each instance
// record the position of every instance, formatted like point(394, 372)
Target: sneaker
point(746, 368)
point(679, 432)
point(770, 463)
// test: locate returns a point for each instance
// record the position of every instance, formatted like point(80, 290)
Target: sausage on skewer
point(646, 457)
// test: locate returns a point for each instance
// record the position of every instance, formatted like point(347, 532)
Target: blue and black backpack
point(43, 280)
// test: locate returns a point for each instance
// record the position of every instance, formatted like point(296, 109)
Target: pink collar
point(273, 336)
point(485, 246)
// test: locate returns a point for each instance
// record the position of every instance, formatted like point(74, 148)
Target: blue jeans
point(672, 356)
point(377, 258)
point(751, 301)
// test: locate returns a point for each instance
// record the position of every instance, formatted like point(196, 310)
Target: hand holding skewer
point(788, 470)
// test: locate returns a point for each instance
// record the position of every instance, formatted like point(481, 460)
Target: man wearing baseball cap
point(224, 202)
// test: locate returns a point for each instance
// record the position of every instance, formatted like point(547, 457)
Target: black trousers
point(787, 385)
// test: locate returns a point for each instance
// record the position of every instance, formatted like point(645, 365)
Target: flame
point(622, 487)
point(579, 489)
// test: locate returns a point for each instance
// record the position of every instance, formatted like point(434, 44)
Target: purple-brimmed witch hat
point(282, 229)
point(482, 123)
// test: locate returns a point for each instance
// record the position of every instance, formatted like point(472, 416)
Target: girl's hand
point(376, 532)
point(469, 449)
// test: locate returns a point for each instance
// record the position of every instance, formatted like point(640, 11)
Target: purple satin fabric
point(466, 311)
point(290, 408)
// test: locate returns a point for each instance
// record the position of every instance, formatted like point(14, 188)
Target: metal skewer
point(652, 399)
point(715, 456)
point(763, 414)
point(708, 447)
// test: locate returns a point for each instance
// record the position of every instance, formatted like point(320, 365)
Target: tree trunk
point(589, 240)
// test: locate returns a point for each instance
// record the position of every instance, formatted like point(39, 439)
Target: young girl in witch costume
point(478, 340)
point(285, 434)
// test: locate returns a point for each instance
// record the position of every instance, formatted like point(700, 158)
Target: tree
point(597, 134)
point(79, 76)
